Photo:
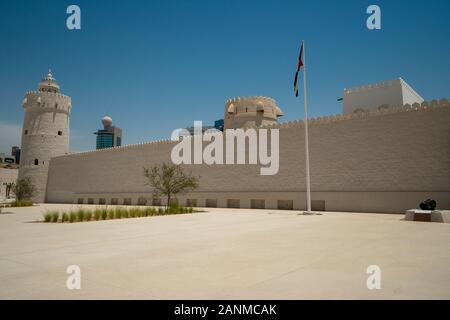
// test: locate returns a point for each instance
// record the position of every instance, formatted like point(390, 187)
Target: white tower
point(45, 132)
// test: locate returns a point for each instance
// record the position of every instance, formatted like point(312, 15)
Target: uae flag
point(299, 66)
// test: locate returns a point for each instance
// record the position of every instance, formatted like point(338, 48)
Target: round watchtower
point(45, 132)
point(243, 112)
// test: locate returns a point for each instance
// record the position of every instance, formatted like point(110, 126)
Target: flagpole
point(308, 185)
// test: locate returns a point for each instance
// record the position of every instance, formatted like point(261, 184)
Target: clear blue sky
point(154, 66)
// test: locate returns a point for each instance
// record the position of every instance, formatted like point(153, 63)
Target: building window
point(258, 204)
point(233, 203)
point(142, 201)
point(191, 202)
point(285, 204)
point(26, 131)
point(80, 200)
point(127, 201)
point(318, 205)
point(104, 140)
point(156, 202)
point(102, 201)
point(173, 202)
point(36, 162)
point(56, 106)
point(59, 133)
point(211, 203)
point(91, 201)
point(114, 201)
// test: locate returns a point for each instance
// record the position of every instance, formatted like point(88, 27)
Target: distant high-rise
point(15, 152)
point(108, 137)
point(218, 124)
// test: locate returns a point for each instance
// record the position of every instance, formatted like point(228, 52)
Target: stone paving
point(223, 254)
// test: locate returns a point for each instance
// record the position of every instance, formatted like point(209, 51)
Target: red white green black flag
point(299, 66)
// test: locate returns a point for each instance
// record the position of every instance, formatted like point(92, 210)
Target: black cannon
point(428, 204)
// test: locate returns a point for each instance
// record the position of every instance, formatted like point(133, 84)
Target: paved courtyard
point(224, 254)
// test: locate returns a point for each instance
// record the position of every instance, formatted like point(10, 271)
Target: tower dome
point(107, 121)
point(48, 83)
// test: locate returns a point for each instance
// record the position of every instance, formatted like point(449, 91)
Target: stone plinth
point(428, 215)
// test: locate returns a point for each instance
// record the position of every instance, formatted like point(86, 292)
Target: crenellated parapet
point(50, 101)
point(416, 107)
point(128, 147)
point(384, 84)
point(250, 99)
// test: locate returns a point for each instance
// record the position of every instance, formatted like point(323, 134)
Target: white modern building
point(381, 95)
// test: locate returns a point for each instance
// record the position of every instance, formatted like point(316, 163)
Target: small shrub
point(135, 212)
point(21, 203)
point(47, 217)
point(117, 213)
point(97, 214)
point(174, 209)
point(55, 216)
point(80, 215)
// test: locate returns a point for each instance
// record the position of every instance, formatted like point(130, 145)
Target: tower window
point(26, 131)
point(59, 133)
point(36, 162)
point(56, 106)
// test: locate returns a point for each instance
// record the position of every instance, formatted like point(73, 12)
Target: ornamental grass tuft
point(80, 214)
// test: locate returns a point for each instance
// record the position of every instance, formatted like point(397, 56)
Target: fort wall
point(381, 161)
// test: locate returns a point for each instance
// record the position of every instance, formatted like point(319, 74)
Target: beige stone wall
point(385, 161)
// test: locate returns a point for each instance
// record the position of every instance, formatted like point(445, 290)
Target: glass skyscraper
point(108, 137)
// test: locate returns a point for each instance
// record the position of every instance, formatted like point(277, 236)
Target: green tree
point(169, 180)
point(24, 189)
